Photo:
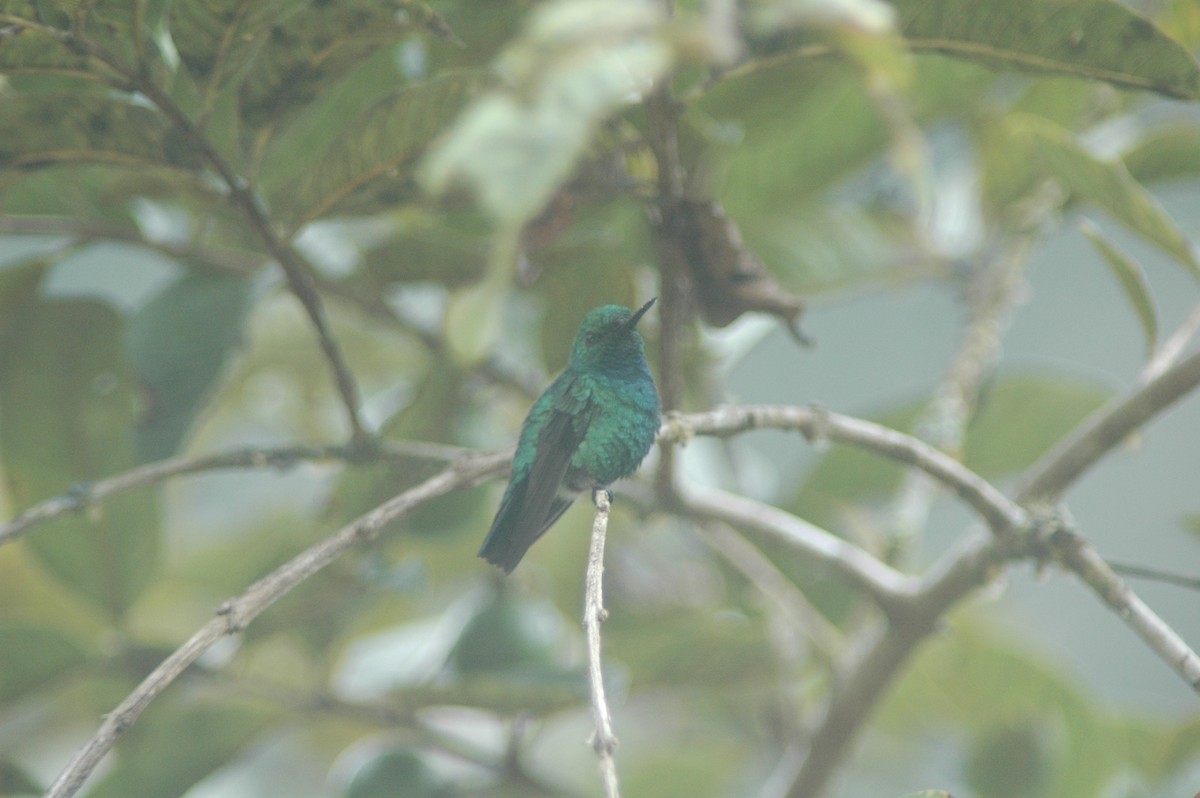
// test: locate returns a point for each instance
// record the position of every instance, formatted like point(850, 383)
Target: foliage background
point(449, 186)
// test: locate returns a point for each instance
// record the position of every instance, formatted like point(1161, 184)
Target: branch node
point(818, 432)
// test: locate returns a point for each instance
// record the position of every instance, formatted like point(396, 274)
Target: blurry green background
point(407, 152)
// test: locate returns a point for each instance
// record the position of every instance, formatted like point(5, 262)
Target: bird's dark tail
point(517, 527)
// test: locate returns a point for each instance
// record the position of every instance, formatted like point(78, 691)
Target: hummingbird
point(591, 427)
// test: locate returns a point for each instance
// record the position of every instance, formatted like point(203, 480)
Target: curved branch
point(817, 424)
point(235, 614)
point(889, 588)
point(82, 496)
point(1106, 429)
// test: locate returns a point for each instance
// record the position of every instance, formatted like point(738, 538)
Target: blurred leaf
point(15, 781)
point(40, 130)
point(68, 415)
point(1022, 151)
point(449, 247)
point(380, 145)
point(175, 745)
point(1008, 761)
point(396, 773)
point(577, 61)
point(509, 635)
point(1132, 281)
point(1021, 416)
point(1169, 154)
point(771, 144)
point(1096, 39)
point(472, 320)
point(660, 649)
point(179, 342)
point(33, 657)
point(929, 794)
point(29, 50)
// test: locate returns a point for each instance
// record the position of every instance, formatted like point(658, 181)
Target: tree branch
point(1106, 429)
point(235, 614)
point(281, 458)
point(889, 588)
point(603, 740)
point(817, 424)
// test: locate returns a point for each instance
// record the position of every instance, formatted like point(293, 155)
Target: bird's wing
point(534, 503)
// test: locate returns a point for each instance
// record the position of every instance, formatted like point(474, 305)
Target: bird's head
point(608, 339)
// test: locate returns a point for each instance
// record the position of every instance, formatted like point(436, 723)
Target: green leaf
point(68, 401)
point(378, 147)
point(1133, 283)
point(34, 657)
point(396, 771)
point(1095, 39)
point(1021, 416)
point(31, 50)
point(174, 746)
point(577, 62)
point(179, 343)
point(14, 781)
point(473, 316)
point(45, 129)
point(1169, 154)
point(1022, 151)
point(509, 635)
point(1009, 760)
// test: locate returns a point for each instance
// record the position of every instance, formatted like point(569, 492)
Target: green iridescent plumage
point(591, 427)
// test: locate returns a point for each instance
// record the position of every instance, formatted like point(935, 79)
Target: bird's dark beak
point(633, 320)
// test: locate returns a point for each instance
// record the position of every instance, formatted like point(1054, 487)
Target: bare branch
point(235, 614)
point(1106, 429)
point(889, 588)
point(297, 273)
point(280, 458)
point(603, 740)
point(816, 424)
point(1078, 555)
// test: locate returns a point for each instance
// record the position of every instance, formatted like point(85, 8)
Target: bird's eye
point(590, 338)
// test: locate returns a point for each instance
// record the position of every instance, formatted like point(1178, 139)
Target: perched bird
point(591, 427)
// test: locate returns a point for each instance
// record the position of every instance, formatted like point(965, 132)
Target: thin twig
point(280, 458)
point(1155, 575)
point(235, 614)
point(603, 740)
point(1078, 555)
point(824, 638)
point(889, 588)
point(1107, 428)
point(992, 298)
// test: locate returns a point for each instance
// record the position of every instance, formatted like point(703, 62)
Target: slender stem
point(235, 614)
point(81, 497)
point(1107, 428)
point(603, 740)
